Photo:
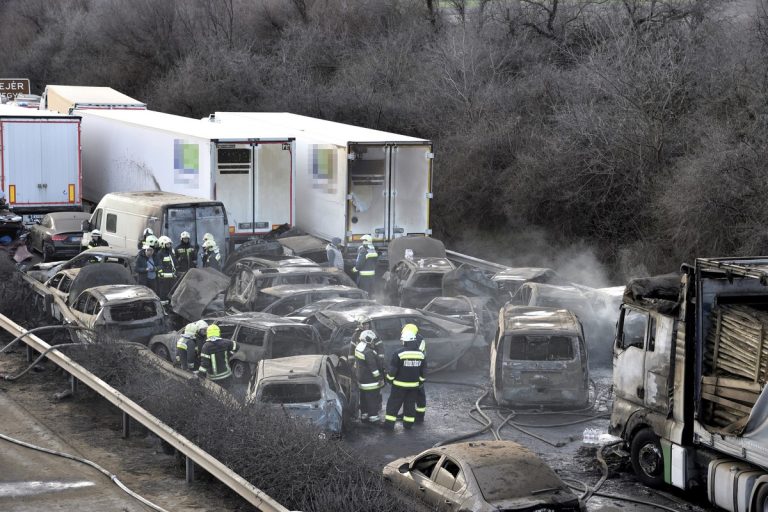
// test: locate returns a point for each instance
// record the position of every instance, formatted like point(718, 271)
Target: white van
point(122, 218)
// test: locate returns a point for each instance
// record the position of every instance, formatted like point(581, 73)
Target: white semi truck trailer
point(39, 161)
point(66, 98)
point(352, 181)
point(250, 171)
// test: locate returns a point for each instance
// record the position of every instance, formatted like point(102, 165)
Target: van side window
point(96, 224)
point(111, 223)
point(633, 329)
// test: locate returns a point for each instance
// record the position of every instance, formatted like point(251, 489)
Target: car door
point(251, 348)
point(451, 485)
point(337, 395)
point(629, 355)
point(418, 479)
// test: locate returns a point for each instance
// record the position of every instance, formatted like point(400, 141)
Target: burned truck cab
point(539, 359)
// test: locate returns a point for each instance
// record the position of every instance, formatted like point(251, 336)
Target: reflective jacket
point(188, 352)
point(214, 358)
point(366, 261)
point(212, 259)
point(167, 267)
point(408, 366)
point(378, 346)
point(369, 374)
point(186, 256)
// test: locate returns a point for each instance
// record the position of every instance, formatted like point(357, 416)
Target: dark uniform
point(214, 361)
point(186, 257)
point(365, 265)
point(166, 275)
point(378, 346)
point(370, 381)
point(188, 352)
point(406, 373)
point(146, 268)
point(212, 259)
point(100, 242)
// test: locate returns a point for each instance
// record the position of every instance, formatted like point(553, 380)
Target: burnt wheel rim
point(238, 370)
point(649, 459)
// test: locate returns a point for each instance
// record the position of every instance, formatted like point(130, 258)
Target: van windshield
point(542, 348)
point(198, 220)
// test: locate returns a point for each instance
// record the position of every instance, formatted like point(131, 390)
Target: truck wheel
point(760, 502)
point(647, 458)
point(241, 371)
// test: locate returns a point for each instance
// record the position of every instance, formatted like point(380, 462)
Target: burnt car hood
point(196, 290)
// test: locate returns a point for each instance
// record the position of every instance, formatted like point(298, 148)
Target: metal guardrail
point(457, 257)
point(250, 493)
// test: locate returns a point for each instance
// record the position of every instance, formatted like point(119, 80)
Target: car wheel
point(647, 458)
point(241, 371)
point(161, 351)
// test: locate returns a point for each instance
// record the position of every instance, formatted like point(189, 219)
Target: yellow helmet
point(409, 332)
point(213, 331)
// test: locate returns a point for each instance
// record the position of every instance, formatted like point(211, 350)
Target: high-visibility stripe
point(368, 386)
point(422, 379)
point(375, 373)
point(370, 255)
point(405, 384)
point(202, 369)
point(359, 355)
point(409, 419)
point(421, 409)
point(366, 273)
point(221, 376)
point(410, 354)
point(390, 418)
point(390, 377)
point(207, 356)
point(182, 345)
point(373, 418)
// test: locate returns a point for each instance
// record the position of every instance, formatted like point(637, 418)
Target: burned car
point(258, 336)
point(448, 342)
point(57, 234)
point(267, 261)
point(539, 358)
point(285, 299)
point(318, 388)
point(44, 271)
point(511, 279)
point(552, 296)
point(475, 311)
point(243, 292)
point(129, 312)
point(413, 283)
point(483, 476)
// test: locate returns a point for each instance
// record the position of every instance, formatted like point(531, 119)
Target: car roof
point(373, 311)
point(535, 318)
point(552, 290)
point(306, 365)
point(257, 319)
point(110, 251)
point(280, 260)
point(285, 290)
point(293, 270)
point(120, 293)
point(430, 264)
point(488, 453)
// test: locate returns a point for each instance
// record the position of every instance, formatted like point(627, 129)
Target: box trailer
point(39, 160)
point(66, 98)
point(352, 181)
point(140, 150)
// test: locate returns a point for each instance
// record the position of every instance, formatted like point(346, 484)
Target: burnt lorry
point(690, 367)
point(539, 359)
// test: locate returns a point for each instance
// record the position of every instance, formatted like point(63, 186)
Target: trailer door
point(368, 198)
point(410, 182)
point(235, 183)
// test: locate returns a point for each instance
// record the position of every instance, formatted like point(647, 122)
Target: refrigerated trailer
point(39, 160)
point(352, 181)
point(140, 150)
point(66, 98)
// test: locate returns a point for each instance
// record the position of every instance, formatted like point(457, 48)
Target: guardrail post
point(190, 473)
point(126, 425)
point(73, 384)
point(30, 354)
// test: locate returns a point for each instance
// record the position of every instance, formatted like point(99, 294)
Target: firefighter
point(333, 252)
point(365, 264)
point(96, 240)
point(185, 254)
point(211, 255)
point(406, 373)
point(188, 348)
point(364, 324)
point(214, 357)
point(146, 265)
point(370, 377)
point(421, 397)
point(143, 239)
point(166, 274)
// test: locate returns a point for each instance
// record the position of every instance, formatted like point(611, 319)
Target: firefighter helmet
point(368, 336)
point(185, 234)
point(409, 333)
point(191, 329)
point(213, 331)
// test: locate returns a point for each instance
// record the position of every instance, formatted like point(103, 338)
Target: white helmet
point(207, 237)
point(164, 241)
point(185, 234)
point(367, 336)
point(95, 232)
point(363, 319)
point(367, 239)
point(201, 324)
point(151, 241)
point(209, 244)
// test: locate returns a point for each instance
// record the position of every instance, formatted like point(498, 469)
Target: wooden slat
point(745, 397)
point(732, 383)
point(727, 403)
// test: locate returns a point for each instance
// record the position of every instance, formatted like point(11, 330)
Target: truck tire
point(760, 500)
point(647, 458)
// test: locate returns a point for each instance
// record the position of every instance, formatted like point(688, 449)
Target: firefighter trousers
point(365, 283)
point(405, 398)
point(421, 404)
point(370, 404)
